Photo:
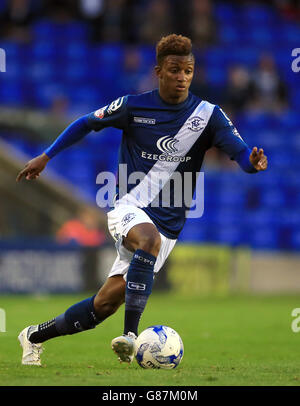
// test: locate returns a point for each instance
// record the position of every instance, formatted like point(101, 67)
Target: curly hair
point(173, 44)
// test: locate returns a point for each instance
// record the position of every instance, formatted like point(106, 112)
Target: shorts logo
point(115, 105)
point(127, 218)
point(136, 286)
point(100, 113)
point(167, 144)
point(195, 123)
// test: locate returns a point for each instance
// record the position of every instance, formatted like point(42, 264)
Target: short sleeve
point(224, 134)
point(114, 114)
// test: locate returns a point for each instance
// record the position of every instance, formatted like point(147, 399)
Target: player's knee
point(150, 243)
point(105, 308)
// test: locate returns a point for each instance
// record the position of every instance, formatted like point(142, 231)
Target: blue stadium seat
point(263, 239)
point(216, 57)
point(260, 37)
point(226, 12)
point(12, 49)
point(260, 229)
point(45, 49)
point(11, 93)
point(254, 14)
point(295, 240)
point(194, 231)
point(109, 56)
point(41, 71)
point(76, 72)
point(45, 93)
point(216, 75)
point(228, 235)
point(228, 34)
point(272, 198)
point(77, 50)
point(247, 57)
point(60, 31)
point(290, 34)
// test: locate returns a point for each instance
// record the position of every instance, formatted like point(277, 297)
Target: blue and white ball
point(159, 347)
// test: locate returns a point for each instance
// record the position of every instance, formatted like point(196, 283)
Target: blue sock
point(138, 288)
point(79, 317)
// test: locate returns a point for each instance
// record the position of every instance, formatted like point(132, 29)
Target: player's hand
point(258, 159)
point(33, 168)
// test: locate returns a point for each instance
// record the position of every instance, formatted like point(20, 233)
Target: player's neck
point(170, 99)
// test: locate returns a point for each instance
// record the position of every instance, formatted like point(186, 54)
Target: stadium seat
point(263, 239)
point(60, 31)
point(225, 12)
point(11, 93)
point(194, 231)
point(295, 240)
point(228, 235)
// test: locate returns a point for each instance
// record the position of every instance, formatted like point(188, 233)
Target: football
point(159, 347)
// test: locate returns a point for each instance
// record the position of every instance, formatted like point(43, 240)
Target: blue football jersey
point(161, 143)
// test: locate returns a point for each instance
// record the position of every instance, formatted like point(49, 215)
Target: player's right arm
point(113, 115)
point(227, 138)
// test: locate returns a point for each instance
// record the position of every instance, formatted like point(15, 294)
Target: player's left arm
point(227, 138)
point(113, 115)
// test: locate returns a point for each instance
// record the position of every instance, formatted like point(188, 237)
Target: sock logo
point(77, 325)
point(136, 286)
point(142, 259)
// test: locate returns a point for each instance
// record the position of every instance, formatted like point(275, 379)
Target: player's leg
point(82, 316)
point(144, 241)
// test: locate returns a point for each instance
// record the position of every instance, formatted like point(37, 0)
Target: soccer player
point(166, 130)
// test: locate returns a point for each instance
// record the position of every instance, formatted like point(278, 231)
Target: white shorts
point(120, 221)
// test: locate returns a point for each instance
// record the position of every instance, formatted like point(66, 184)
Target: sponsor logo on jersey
point(144, 120)
point(167, 144)
point(100, 113)
point(165, 157)
point(195, 123)
point(115, 105)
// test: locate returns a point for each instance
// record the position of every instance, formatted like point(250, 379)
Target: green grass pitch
point(229, 341)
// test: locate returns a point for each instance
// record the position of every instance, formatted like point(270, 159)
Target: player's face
point(175, 76)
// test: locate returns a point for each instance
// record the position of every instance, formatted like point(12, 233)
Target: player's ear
point(157, 69)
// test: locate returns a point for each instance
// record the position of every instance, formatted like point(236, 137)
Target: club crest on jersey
point(167, 144)
point(195, 123)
